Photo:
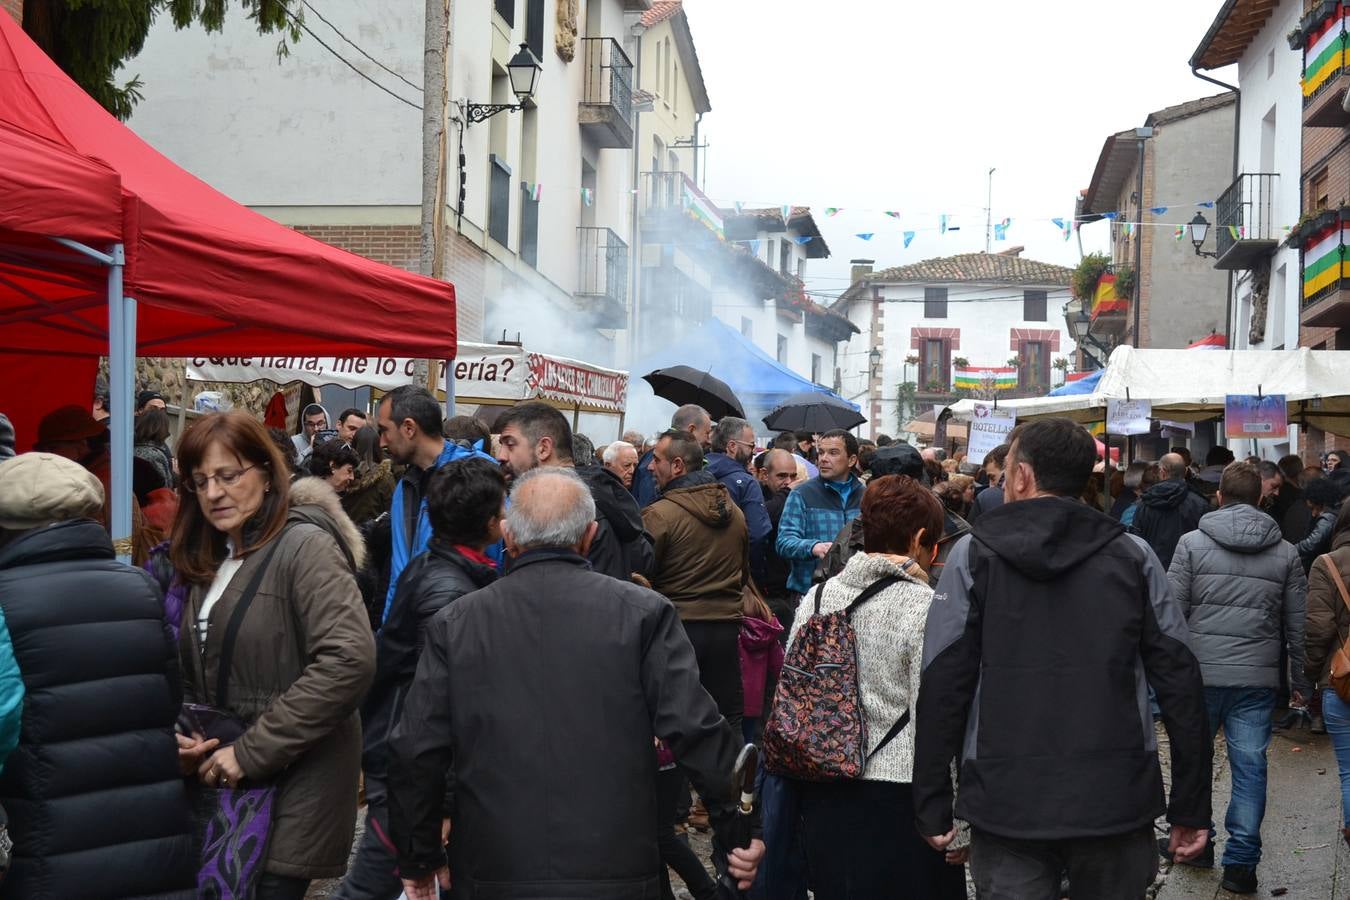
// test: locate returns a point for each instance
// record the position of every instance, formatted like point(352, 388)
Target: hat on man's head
point(898, 459)
point(38, 489)
point(68, 423)
point(145, 397)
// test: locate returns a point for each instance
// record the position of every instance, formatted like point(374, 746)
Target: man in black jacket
point(544, 691)
point(95, 796)
point(535, 434)
point(1047, 627)
point(1169, 509)
point(464, 502)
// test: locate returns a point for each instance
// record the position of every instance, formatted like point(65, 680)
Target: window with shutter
point(935, 303)
point(1033, 306)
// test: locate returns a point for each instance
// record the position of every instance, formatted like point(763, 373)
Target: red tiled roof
point(660, 11)
point(974, 268)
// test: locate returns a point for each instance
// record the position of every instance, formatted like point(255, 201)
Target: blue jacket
point(644, 483)
point(814, 512)
point(747, 494)
point(410, 532)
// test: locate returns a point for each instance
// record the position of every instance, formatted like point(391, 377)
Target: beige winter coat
point(303, 661)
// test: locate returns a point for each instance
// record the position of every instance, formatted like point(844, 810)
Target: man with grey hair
point(559, 678)
point(621, 458)
point(733, 448)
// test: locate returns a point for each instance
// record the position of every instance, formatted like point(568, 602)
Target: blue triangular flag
point(866, 236)
point(942, 223)
point(1158, 210)
point(1111, 216)
point(1207, 204)
point(802, 239)
point(909, 236)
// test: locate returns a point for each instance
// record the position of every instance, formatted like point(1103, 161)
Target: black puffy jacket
point(96, 805)
point(431, 582)
point(1166, 511)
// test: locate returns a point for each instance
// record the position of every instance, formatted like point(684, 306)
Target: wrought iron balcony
point(1246, 227)
point(602, 276)
point(1323, 239)
point(1326, 68)
point(606, 109)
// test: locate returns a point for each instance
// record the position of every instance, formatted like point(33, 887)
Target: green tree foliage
point(91, 40)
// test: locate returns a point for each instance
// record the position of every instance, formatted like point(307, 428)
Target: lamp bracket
point(480, 112)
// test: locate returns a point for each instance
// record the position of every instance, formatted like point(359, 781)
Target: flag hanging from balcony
point(975, 378)
point(909, 236)
point(1106, 300)
point(1324, 54)
point(588, 196)
point(701, 209)
point(1324, 260)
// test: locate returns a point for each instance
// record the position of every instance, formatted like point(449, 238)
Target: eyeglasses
point(227, 478)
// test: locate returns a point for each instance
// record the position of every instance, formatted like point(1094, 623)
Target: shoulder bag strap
point(236, 620)
point(1340, 585)
point(871, 591)
point(820, 589)
point(891, 735)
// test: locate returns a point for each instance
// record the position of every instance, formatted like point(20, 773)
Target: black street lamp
point(875, 359)
point(523, 70)
point(1199, 231)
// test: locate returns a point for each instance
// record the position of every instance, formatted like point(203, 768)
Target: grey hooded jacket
point(1244, 594)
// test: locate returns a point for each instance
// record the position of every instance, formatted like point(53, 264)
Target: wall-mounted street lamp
point(523, 70)
point(1199, 231)
point(875, 359)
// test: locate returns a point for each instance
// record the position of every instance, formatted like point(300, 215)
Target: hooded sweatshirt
point(620, 547)
point(701, 546)
point(1242, 589)
point(1047, 627)
point(1166, 511)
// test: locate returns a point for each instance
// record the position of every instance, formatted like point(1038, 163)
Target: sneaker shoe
point(1239, 879)
point(1204, 861)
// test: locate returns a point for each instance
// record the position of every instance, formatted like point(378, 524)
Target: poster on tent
point(1125, 417)
point(989, 427)
point(481, 371)
point(1256, 416)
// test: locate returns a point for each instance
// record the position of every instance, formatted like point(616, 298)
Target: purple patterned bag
point(235, 827)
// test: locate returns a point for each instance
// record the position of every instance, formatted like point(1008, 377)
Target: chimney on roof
point(1011, 251)
point(861, 268)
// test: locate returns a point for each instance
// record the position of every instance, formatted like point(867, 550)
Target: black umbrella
point(737, 832)
point(813, 411)
point(684, 384)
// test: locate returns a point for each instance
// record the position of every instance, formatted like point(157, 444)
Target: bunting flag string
point(1001, 230)
point(787, 212)
point(1064, 225)
point(892, 213)
point(803, 239)
point(535, 191)
point(1158, 210)
point(942, 223)
point(832, 211)
point(866, 235)
point(739, 206)
point(1180, 232)
point(909, 236)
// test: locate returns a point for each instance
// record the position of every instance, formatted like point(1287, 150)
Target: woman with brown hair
point(845, 822)
point(271, 587)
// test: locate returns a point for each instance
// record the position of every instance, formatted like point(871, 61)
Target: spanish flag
point(1106, 300)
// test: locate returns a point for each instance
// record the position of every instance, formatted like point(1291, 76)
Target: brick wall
point(400, 246)
point(13, 7)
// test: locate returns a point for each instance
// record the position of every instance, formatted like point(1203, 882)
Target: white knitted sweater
point(889, 630)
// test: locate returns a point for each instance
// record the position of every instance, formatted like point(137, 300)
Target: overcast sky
point(885, 105)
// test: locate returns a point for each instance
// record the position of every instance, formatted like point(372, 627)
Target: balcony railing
point(606, 112)
point(1325, 65)
point(664, 192)
point(603, 274)
point(1246, 230)
point(1325, 242)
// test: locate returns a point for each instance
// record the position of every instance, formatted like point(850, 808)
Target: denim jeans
point(1245, 716)
point(1336, 713)
point(782, 871)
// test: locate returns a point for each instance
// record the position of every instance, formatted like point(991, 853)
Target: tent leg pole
point(449, 387)
point(121, 381)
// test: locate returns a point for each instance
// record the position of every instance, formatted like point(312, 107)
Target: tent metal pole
point(449, 387)
point(121, 381)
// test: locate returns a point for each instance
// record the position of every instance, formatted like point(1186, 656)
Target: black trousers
point(675, 853)
point(280, 887)
point(861, 844)
point(718, 651)
point(1118, 867)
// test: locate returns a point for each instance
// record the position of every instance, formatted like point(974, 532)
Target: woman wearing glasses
point(301, 655)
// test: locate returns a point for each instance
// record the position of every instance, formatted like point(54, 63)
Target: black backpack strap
point(898, 727)
point(236, 620)
point(869, 592)
point(820, 589)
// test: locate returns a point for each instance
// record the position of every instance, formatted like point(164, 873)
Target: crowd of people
point(539, 660)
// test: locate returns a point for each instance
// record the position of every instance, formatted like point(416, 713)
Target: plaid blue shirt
point(817, 511)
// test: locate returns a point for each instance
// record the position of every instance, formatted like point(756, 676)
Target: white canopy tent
point(1186, 386)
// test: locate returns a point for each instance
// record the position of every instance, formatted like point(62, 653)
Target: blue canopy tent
point(759, 380)
point(1082, 386)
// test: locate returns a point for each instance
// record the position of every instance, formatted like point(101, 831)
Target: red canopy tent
point(107, 247)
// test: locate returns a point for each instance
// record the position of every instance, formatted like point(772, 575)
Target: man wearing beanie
point(95, 798)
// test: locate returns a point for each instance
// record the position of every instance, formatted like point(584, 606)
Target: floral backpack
point(816, 730)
